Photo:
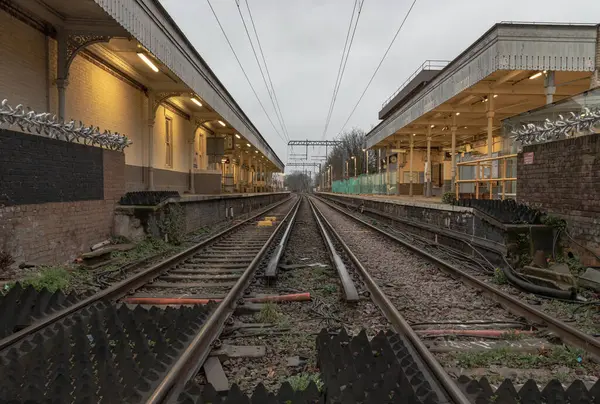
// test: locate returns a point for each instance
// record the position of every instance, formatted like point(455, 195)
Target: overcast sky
point(303, 41)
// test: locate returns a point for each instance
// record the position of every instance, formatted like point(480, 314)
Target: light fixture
point(465, 127)
point(195, 101)
point(364, 149)
point(458, 113)
point(414, 134)
point(535, 76)
point(255, 151)
point(238, 136)
point(221, 123)
point(352, 157)
point(433, 126)
point(148, 61)
point(495, 95)
point(248, 144)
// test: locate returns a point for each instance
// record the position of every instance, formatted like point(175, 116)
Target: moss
point(557, 355)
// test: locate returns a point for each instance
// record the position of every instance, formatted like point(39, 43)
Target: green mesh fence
point(363, 184)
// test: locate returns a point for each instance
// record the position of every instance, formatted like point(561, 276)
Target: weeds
point(301, 381)
point(51, 278)
point(269, 313)
point(559, 355)
point(329, 289)
point(499, 277)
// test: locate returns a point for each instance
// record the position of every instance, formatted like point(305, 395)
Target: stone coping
point(405, 202)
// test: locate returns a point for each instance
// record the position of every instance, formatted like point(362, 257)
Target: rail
point(427, 65)
point(195, 354)
point(569, 334)
point(399, 323)
point(480, 178)
point(122, 288)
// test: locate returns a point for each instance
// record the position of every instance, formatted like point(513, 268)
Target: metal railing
point(480, 176)
point(427, 65)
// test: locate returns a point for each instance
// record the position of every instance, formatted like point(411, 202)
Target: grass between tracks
point(552, 356)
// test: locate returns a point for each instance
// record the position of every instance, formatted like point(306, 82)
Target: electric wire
point(269, 91)
point(243, 71)
point(379, 65)
point(343, 61)
point(262, 54)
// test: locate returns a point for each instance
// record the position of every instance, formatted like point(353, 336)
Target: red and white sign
point(528, 158)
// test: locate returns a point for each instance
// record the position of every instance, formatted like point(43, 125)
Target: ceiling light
point(433, 126)
point(248, 144)
point(255, 151)
point(465, 127)
point(148, 61)
point(545, 71)
point(238, 136)
point(495, 95)
point(195, 101)
point(535, 76)
point(458, 113)
point(414, 134)
point(221, 123)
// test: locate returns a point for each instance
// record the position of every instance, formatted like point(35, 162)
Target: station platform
point(434, 202)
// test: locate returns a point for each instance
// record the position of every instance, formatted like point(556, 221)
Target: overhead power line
point(244, 71)
point(379, 65)
point(267, 68)
point(343, 62)
point(269, 90)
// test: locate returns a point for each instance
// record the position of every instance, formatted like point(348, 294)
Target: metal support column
point(453, 154)
point(549, 87)
point(428, 165)
point(410, 186)
point(387, 170)
point(490, 124)
point(192, 153)
point(150, 121)
point(398, 142)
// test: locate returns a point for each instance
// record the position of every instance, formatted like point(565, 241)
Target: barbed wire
point(584, 122)
point(49, 125)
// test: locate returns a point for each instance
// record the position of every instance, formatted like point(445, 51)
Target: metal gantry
point(315, 143)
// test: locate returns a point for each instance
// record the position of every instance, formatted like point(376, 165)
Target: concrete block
point(590, 279)
point(552, 278)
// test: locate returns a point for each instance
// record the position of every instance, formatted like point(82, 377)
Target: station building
point(109, 67)
point(516, 115)
point(451, 112)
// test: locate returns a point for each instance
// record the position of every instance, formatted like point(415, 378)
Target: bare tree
point(353, 144)
point(298, 182)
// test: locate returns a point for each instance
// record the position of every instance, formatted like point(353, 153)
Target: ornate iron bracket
point(563, 128)
point(76, 42)
point(49, 125)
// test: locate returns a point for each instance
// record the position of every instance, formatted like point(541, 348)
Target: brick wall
point(37, 169)
point(564, 180)
point(23, 71)
point(57, 232)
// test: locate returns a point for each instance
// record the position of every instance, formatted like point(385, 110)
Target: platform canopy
point(139, 39)
point(511, 69)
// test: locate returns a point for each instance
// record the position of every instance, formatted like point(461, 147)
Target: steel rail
point(400, 325)
point(347, 284)
point(122, 288)
point(568, 334)
point(188, 364)
point(271, 271)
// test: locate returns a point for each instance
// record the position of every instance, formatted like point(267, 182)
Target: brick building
point(122, 66)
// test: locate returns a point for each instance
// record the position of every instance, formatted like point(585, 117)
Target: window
point(169, 141)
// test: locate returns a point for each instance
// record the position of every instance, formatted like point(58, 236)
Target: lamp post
point(366, 160)
point(347, 170)
point(354, 158)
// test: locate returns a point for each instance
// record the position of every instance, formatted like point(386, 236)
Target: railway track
point(469, 302)
point(147, 338)
point(164, 345)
